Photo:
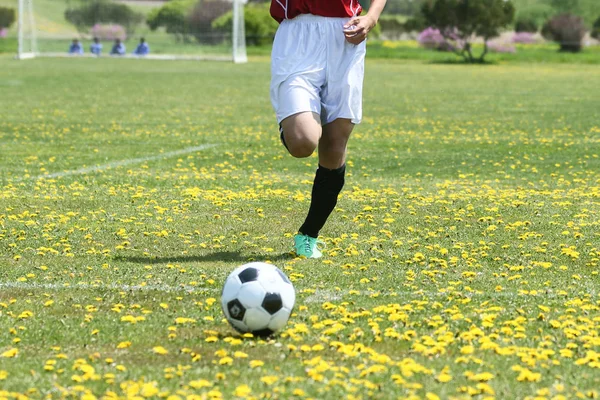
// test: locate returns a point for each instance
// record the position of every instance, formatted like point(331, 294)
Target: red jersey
point(288, 9)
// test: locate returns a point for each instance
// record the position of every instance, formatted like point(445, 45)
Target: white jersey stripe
point(354, 10)
point(284, 7)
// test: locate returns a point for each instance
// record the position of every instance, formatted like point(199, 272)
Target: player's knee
point(301, 142)
point(302, 148)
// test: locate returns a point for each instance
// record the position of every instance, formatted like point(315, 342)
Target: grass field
point(462, 261)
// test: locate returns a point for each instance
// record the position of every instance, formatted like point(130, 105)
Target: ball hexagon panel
point(251, 294)
point(272, 303)
point(288, 295)
point(236, 310)
point(256, 319)
point(270, 280)
point(231, 289)
point(239, 326)
point(279, 319)
point(283, 276)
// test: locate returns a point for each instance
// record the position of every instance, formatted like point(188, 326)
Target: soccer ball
point(258, 298)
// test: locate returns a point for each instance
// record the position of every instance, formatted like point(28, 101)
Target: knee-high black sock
point(327, 186)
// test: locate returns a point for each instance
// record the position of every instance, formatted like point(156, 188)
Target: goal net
point(151, 29)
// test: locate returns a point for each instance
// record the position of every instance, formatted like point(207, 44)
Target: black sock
point(326, 187)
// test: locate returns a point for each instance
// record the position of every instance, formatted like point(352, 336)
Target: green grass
point(162, 43)
point(530, 53)
point(466, 239)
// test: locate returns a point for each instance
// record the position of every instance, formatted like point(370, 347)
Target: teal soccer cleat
point(306, 246)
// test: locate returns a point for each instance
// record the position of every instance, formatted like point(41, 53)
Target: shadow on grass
point(220, 256)
point(462, 62)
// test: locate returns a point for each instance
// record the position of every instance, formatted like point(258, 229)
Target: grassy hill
point(49, 18)
point(541, 10)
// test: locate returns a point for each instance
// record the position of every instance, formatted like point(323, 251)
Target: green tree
point(93, 12)
point(259, 27)
point(7, 17)
point(526, 25)
point(173, 16)
point(202, 17)
point(460, 20)
point(596, 29)
point(566, 6)
point(542, 10)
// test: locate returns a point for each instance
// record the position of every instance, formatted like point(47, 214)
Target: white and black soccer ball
point(258, 298)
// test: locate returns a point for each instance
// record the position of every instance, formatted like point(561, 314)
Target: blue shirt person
point(76, 47)
point(96, 47)
point(142, 49)
point(118, 49)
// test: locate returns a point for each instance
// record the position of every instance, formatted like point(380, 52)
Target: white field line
point(318, 297)
point(88, 286)
point(114, 164)
point(335, 295)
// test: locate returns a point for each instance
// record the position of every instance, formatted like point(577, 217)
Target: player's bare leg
point(332, 146)
point(301, 133)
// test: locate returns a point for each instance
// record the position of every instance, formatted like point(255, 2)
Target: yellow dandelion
point(242, 391)
point(160, 350)
point(200, 383)
point(226, 361)
point(269, 379)
point(10, 353)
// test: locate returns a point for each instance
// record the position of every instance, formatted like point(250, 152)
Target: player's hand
point(357, 28)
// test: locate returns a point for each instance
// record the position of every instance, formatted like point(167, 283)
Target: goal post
point(238, 34)
point(205, 29)
point(26, 31)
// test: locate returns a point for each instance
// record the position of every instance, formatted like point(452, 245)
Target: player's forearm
point(375, 9)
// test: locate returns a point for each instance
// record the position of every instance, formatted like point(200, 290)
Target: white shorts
point(314, 68)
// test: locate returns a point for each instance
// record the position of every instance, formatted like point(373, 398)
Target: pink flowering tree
point(524, 38)
point(459, 21)
point(108, 32)
point(431, 38)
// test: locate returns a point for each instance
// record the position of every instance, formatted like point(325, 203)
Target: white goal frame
point(21, 54)
point(238, 54)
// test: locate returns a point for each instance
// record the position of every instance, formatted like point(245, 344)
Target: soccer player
point(142, 49)
point(96, 47)
point(118, 48)
point(317, 68)
point(76, 47)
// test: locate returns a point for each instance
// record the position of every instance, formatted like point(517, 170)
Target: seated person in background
point(142, 49)
point(76, 47)
point(96, 47)
point(118, 49)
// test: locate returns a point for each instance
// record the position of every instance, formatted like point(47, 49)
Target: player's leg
point(333, 143)
point(298, 65)
point(330, 176)
point(300, 133)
